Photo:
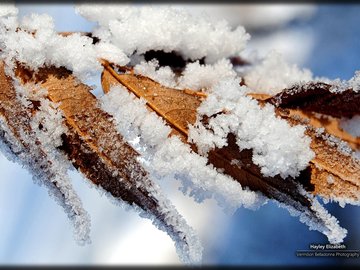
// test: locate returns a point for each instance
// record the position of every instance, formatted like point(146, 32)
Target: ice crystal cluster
point(277, 147)
point(125, 34)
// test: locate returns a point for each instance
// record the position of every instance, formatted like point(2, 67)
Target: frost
point(34, 145)
point(354, 82)
point(151, 69)
point(111, 53)
point(170, 157)
point(8, 10)
point(352, 125)
point(277, 147)
point(140, 29)
point(333, 141)
point(338, 86)
point(322, 221)
point(34, 42)
point(195, 76)
point(273, 75)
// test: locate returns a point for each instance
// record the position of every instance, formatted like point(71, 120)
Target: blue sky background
point(34, 229)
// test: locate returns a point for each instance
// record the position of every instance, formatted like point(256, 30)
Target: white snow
point(354, 82)
point(198, 77)
point(195, 76)
point(273, 75)
point(162, 75)
point(339, 86)
point(8, 10)
point(139, 29)
point(277, 147)
point(34, 42)
point(170, 157)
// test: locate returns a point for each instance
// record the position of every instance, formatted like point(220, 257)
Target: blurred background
point(35, 230)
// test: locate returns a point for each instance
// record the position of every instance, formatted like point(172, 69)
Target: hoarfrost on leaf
point(31, 130)
point(168, 157)
point(277, 147)
point(323, 222)
point(35, 145)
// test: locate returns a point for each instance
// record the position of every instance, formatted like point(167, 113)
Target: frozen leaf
point(323, 107)
point(101, 154)
point(23, 146)
point(178, 108)
point(332, 125)
point(335, 171)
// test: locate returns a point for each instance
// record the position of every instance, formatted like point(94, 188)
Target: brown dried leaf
point(316, 97)
point(314, 101)
point(317, 120)
point(178, 108)
point(184, 105)
point(15, 132)
point(330, 124)
point(98, 150)
point(335, 174)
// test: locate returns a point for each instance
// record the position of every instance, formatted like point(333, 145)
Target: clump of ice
point(140, 29)
point(274, 74)
point(168, 157)
point(151, 69)
point(354, 82)
point(195, 76)
point(351, 125)
point(338, 86)
point(277, 147)
point(34, 42)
